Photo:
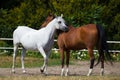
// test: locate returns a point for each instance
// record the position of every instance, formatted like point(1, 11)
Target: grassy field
point(6, 62)
point(60, 78)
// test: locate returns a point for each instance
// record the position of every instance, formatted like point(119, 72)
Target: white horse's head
point(61, 23)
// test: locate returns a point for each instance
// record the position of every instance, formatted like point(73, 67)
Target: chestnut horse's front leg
point(62, 61)
point(67, 62)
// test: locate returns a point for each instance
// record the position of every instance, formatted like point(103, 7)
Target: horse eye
point(59, 22)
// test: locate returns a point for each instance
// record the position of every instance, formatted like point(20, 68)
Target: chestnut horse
point(83, 37)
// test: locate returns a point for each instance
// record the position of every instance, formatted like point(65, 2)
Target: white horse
point(41, 40)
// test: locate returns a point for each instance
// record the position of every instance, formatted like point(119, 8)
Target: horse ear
point(61, 15)
point(50, 14)
point(55, 15)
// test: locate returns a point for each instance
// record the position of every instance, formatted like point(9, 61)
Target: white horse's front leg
point(46, 61)
point(22, 59)
point(44, 69)
point(14, 58)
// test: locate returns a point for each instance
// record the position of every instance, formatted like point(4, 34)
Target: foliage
point(76, 12)
point(32, 13)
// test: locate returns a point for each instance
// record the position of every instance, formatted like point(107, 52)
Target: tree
point(76, 12)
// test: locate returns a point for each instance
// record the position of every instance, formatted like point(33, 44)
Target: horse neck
point(50, 28)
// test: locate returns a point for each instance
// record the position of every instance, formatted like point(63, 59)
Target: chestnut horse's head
point(48, 19)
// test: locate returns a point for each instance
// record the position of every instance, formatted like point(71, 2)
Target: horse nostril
point(66, 24)
point(66, 29)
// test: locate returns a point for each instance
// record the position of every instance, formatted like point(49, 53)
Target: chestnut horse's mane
point(49, 18)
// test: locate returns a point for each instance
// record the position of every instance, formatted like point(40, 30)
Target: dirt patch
point(80, 68)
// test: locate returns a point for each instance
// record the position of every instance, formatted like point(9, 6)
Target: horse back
point(88, 34)
point(70, 39)
point(79, 38)
point(19, 32)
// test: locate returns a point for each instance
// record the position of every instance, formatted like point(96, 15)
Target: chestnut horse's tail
point(102, 45)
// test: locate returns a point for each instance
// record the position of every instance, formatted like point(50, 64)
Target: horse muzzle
point(66, 29)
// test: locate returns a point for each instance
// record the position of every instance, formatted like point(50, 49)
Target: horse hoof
point(62, 74)
point(66, 74)
point(13, 71)
point(24, 72)
point(41, 70)
point(102, 73)
point(46, 74)
point(88, 75)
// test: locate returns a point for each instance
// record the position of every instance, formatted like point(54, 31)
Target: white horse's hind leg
point(14, 57)
point(22, 59)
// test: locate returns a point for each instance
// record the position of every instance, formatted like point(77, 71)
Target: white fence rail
point(10, 39)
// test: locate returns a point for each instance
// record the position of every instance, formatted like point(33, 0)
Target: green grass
point(6, 62)
point(60, 78)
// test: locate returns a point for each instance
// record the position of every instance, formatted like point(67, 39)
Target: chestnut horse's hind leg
point(90, 52)
point(102, 63)
point(101, 58)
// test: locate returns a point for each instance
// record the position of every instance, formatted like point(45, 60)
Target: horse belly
point(29, 46)
point(76, 47)
point(28, 43)
point(79, 47)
